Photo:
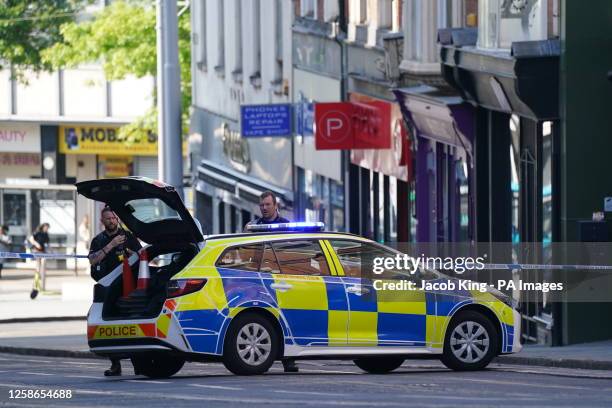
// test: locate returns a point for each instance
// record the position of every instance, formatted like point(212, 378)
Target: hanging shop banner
point(265, 120)
point(99, 139)
point(19, 138)
point(395, 161)
point(353, 125)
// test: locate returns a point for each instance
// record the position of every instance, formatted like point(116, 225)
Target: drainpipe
point(340, 37)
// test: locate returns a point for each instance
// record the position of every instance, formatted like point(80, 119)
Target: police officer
point(106, 252)
point(268, 205)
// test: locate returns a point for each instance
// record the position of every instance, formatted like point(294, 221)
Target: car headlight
point(505, 299)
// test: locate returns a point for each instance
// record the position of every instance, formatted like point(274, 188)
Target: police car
point(281, 291)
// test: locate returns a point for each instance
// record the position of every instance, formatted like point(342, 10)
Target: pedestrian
point(83, 241)
point(85, 231)
point(5, 243)
point(106, 252)
point(39, 240)
point(268, 206)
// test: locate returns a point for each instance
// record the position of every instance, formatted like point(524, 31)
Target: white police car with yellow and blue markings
point(280, 291)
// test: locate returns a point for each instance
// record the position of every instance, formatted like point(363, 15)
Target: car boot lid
point(151, 209)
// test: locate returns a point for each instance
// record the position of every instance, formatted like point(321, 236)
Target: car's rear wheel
point(157, 365)
point(470, 343)
point(251, 345)
point(378, 365)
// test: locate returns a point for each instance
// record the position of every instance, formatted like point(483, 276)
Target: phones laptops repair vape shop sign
point(265, 120)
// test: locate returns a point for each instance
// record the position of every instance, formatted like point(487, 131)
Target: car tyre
point(378, 365)
point(157, 365)
point(251, 345)
point(470, 343)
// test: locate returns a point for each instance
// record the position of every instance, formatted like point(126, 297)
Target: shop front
point(234, 171)
point(514, 86)
point(443, 129)
point(20, 161)
point(381, 176)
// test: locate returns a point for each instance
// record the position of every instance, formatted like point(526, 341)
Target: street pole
point(169, 127)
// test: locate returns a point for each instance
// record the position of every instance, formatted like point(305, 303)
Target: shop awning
point(243, 186)
point(438, 115)
point(524, 80)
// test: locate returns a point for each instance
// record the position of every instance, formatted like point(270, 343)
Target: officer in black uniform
point(268, 205)
point(106, 252)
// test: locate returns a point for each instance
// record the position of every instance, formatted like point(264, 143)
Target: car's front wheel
point(157, 365)
point(378, 365)
point(251, 345)
point(470, 343)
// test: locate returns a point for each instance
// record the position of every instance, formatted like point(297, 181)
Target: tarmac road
point(319, 383)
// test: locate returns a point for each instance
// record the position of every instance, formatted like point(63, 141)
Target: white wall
point(84, 95)
point(131, 97)
point(221, 93)
point(39, 96)
point(84, 92)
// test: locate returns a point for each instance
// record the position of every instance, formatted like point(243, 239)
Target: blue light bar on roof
point(287, 227)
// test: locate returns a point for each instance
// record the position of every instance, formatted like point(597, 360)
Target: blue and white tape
point(548, 267)
point(25, 255)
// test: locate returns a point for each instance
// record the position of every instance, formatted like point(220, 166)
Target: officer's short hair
point(268, 193)
point(107, 209)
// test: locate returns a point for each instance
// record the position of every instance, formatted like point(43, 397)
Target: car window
point(149, 210)
point(243, 257)
point(269, 263)
point(356, 256)
point(303, 257)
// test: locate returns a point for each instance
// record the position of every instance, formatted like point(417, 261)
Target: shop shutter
point(146, 167)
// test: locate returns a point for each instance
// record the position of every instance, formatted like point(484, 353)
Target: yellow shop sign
point(98, 139)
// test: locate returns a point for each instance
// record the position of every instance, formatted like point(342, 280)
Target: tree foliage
point(28, 27)
point(122, 36)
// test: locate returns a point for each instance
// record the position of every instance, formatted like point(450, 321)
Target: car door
point(311, 299)
point(376, 317)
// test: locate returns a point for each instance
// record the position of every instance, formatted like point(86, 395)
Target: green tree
point(123, 38)
point(28, 27)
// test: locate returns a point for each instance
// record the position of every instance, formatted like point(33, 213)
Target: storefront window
point(392, 209)
point(547, 182)
point(515, 180)
point(461, 170)
point(337, 205)
point(414, 222)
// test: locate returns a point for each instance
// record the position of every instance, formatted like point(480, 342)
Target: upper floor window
point(502, 22)
point(385, 13)
point(220, 67)
point(307, 8)
point(358, 10)
point(199, 34)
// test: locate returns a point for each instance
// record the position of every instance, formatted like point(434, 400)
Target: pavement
point(54, 325)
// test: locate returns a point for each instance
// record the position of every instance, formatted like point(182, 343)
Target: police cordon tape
point(25, 255)
point(548, 267)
